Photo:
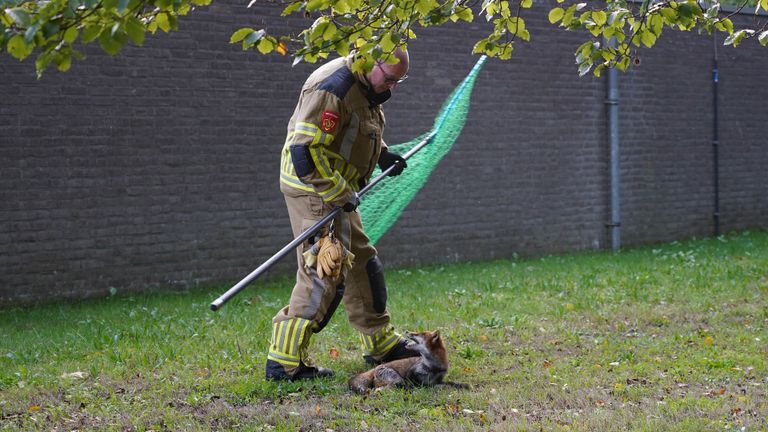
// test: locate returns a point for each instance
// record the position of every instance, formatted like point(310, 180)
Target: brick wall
point(158, 168)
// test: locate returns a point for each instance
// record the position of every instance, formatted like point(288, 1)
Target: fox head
point(426, 343)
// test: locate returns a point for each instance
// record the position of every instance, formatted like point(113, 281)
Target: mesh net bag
point(383, 204)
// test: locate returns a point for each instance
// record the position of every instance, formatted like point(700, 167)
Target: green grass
point(665, 338)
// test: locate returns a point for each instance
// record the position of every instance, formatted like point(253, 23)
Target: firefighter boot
point(384, 346)
point(288, 359)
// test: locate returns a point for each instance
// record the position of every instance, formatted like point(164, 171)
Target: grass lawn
point(665, 338)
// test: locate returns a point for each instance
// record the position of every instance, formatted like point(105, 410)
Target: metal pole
point(715, 139)
point(612, 102)
point(309, 232)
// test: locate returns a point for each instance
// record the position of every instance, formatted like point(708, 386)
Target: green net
point(383, 204)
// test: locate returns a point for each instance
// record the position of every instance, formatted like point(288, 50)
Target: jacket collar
point(374, 99)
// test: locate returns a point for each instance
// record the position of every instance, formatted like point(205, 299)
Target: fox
point(428, 369)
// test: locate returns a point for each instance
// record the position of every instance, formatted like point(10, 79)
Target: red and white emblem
point(329, 121)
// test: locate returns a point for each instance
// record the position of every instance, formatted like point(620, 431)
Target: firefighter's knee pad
point(290, 340)
point(375, 271)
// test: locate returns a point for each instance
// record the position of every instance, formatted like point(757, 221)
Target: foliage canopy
point(613, 30)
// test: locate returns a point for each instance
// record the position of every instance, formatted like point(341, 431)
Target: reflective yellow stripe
point(380, 342)
point(367, 342)
point(283, 359)
point(322, 164)
point(289, 340)
point(294, 182)
point(274, 336)
point(298, 336)
point(339, 186)
point(329, 165)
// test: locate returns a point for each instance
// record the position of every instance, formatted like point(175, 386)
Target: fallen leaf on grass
point(34, 408)
point(203, 373)
point(547, 364)
point(334, 353)
point(452, 409)
point(600, 402)
point(317, 409)
point(708, 341)
point(78, 375)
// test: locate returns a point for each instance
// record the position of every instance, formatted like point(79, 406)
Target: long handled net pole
point(307, 234)
point(446, 112)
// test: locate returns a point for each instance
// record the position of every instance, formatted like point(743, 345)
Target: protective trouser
point(314, 300)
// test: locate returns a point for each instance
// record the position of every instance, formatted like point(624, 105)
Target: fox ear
point(436, 335)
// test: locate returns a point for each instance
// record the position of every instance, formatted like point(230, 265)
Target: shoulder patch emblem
point(329, 121)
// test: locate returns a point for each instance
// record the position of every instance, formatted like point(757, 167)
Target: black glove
point(352, 204)
point(387, 159)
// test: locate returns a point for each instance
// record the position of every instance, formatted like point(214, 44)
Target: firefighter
point(333, 144)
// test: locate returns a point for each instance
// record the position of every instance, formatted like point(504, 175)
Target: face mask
point(378, 98)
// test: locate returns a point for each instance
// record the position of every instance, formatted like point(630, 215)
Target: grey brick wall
point(158, 168)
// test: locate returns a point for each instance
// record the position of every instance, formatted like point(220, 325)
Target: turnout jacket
point(334, 137)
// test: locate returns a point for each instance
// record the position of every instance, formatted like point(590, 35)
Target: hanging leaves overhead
point(52, 29)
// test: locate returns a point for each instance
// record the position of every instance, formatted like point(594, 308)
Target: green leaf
point(556, 14)
point(584, 68)
point(18, 48)
point(725, 25)
point(425, 7)
point(648, 38)
point(240, 34)
point(599, 69)
point(342, 47)
point(29, 35)
point(669, 14)
point(265, 46)
point(526, 4)
point(657, 25)
point(623, 64)
point(111, 44)
point(735, 38)
point(253, 38)
point(763, 38)
point(386, 43)
point(70, 35)
point(313, 5)
point(479, 47)
point(584, 49)
point(330, 31)
point(764, 5)
point(464, 14)
point(63, 62)
point(162, 21)
point(339, 6)
point(135, 31)
point(91, 33)
point(201, 2)
point(20, 16)
point(293, 7)
point(568, 16)
point(599, 17)
point(42, 62)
